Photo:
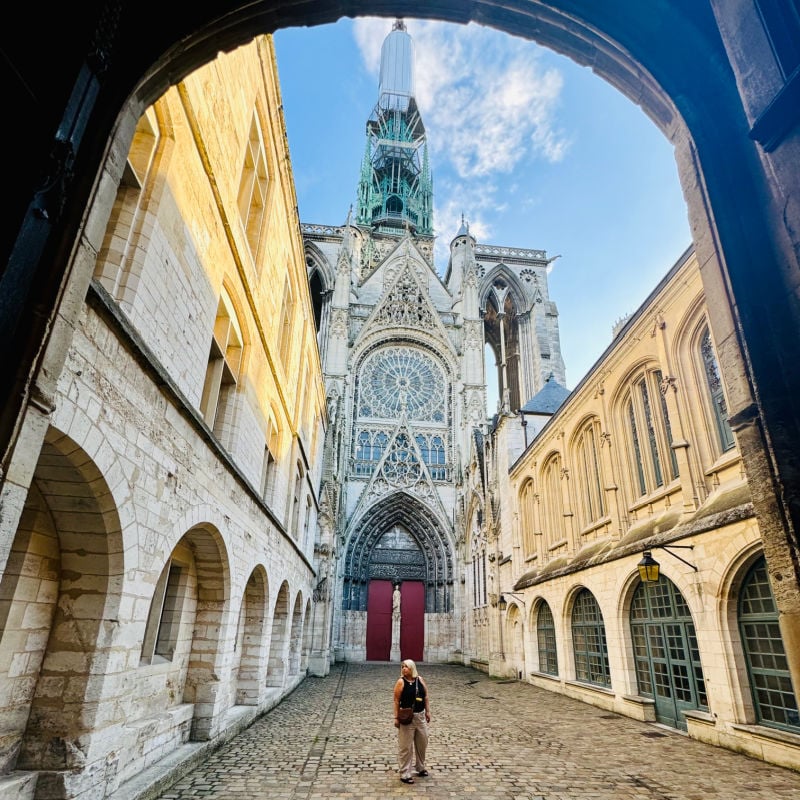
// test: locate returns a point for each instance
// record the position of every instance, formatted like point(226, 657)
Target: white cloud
point(486, 99)
point(488, 104)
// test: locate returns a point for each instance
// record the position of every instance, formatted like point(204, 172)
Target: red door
point(412, 619)
point(379, 620)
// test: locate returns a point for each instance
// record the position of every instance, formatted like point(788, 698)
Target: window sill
point(592, 687)
point(660, 494)
point(703, 717)
point(545, 676)
point(773, 734)
point(595, 525)
point(727, 459)
point(638, 700)
point(780, 117)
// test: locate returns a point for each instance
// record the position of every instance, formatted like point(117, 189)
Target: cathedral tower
point(396, 190)
point(403, 358)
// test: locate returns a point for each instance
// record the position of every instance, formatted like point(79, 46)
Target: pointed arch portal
point(399, 539)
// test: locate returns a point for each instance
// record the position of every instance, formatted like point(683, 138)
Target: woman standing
point(411, 691)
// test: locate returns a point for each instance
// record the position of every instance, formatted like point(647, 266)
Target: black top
point(413, 693)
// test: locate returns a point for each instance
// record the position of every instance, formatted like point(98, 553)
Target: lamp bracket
point(515, 595)
point(669, 549)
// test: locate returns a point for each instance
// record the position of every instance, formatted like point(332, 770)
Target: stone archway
point(62, 587)
point(669, 56)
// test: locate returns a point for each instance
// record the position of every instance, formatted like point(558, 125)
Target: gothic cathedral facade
point(402, 349)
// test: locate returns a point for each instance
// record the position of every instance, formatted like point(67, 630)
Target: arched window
point(114, 268)
point(648, 434)
point(716, 396)
point(771, 683)
point(591, 501)
point(527, 521)
point(552, 501)
point(269, 467)
point(589, 641)
point(546, 639)
point(424, 449)
point(164, 617)
point(399, 381)
point(286, 326)
point(438, 459)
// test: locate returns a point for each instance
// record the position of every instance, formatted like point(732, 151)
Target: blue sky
point(533, 149)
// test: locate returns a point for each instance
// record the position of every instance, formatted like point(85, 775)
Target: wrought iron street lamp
point(649, 568)
point(502, 603)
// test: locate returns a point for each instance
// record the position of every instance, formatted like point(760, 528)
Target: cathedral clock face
point(402, 379)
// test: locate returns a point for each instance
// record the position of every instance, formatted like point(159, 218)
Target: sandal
point(423, 774)
point(407, 780)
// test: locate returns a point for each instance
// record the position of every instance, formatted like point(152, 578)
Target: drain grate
point(609, 716)
point(654, 735)
point(486, 697)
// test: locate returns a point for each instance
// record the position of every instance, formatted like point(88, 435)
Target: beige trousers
point(412, 744)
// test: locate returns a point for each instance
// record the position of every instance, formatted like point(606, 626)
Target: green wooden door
point(665, 650)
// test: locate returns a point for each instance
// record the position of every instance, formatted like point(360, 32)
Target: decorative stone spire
point(395, 190)
point(462, 259)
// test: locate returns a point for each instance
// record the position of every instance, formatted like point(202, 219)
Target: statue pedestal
point(394, 655)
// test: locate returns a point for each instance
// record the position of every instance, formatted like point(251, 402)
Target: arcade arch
point(725, 179)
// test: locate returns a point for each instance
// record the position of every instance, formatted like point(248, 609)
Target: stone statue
point(396, 599)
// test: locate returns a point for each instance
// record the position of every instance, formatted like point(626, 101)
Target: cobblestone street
point(489, 739)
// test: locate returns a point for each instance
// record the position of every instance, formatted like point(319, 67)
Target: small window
point(307, 522)
point(268, 473)
point(253, 187)
point(163, 621)
point(222, 372)
point(298, 492)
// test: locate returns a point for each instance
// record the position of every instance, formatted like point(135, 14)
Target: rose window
point(399, 380)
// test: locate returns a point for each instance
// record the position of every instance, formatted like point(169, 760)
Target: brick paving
point(490, 740)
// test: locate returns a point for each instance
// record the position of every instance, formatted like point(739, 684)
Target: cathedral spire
point(395, 190)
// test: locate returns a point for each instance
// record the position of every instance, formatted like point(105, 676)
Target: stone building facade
point(403, 358)
point(112, 471)
point(160, 575)
point(637, 464)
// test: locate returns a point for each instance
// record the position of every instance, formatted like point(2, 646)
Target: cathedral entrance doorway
point(379, 621)
point(412, 620)
point(384, 633)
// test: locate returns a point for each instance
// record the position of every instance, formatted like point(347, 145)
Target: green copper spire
point(395, 190)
